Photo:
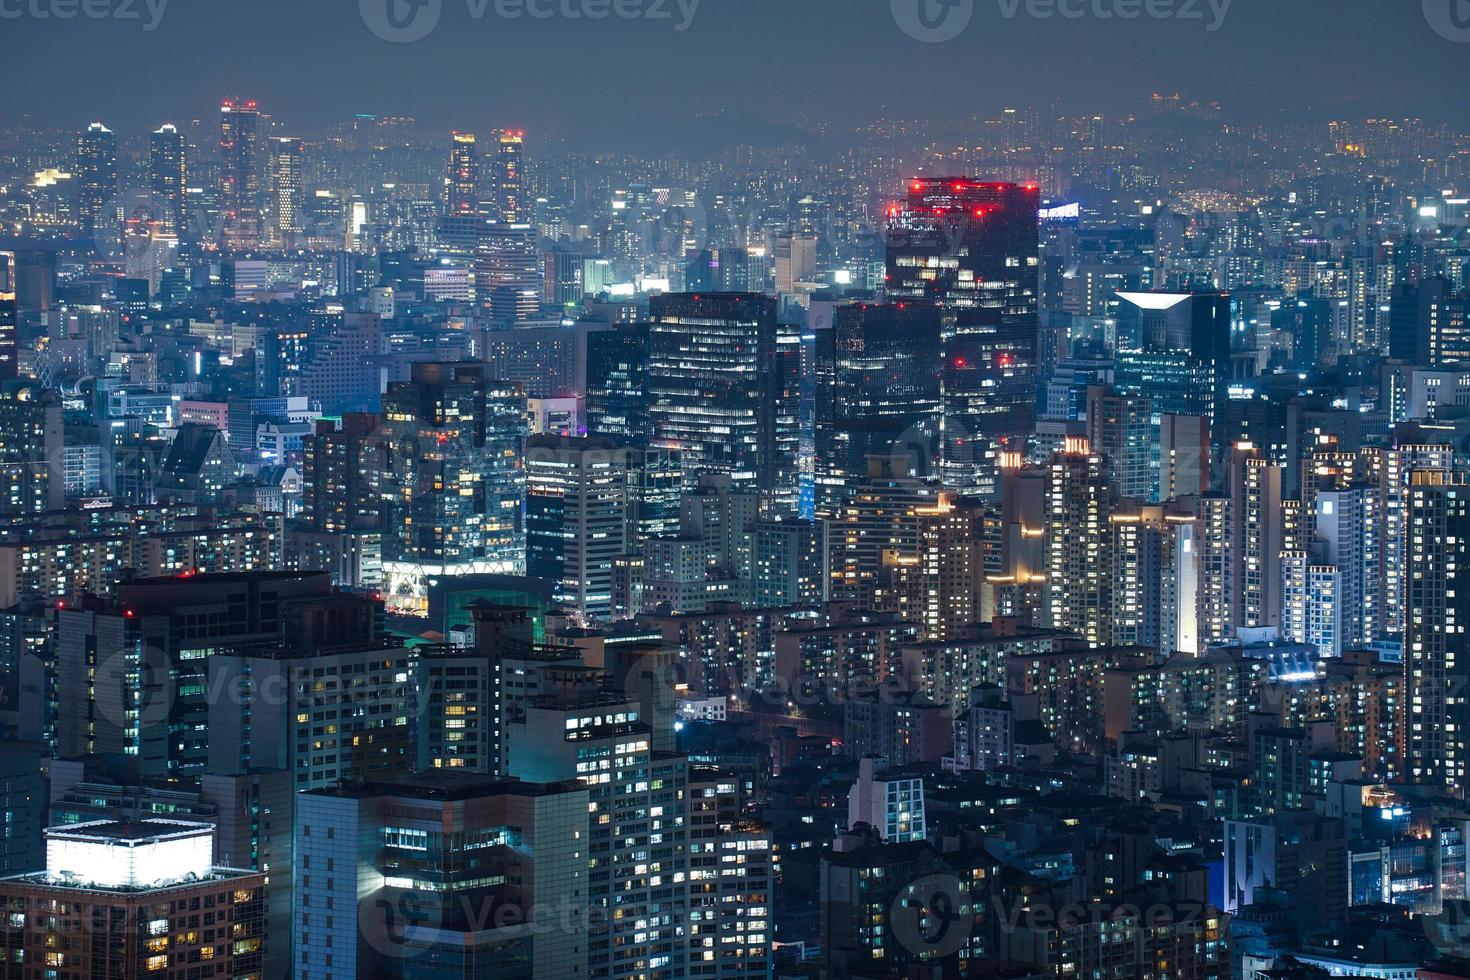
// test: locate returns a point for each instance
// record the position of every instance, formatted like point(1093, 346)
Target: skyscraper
point(431, 908)
point(722, 382)
point(972, 248)
point(462, 182)
point(509, 178)
point(241, 166)
point(1120, 427)
point(578, 517)
point(617, 383)
point(287, 190)
point(508, 271)
point(877, 394)
point(1174, 348)
point(1079, 584)
point(96, 176)
point(637, 887)
point(1437, 610)
point(452, 480)
point(9, 319)
point(168, 179)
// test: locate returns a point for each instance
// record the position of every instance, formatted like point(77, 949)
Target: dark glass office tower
point(241, 166)
point(96, 174)
point(453, 484)
point(168, 179)
point(877, 394)
point(724, 387)
point(1174, 348)
point(617, 383)
point(971, 248)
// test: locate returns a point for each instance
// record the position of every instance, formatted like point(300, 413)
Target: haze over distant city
point(616, 80)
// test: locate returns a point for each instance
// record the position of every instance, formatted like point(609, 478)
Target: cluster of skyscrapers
point(420, 557)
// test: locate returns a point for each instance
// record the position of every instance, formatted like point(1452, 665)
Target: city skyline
point(477, 69)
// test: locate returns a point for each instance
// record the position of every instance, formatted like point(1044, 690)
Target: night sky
point(312, 62)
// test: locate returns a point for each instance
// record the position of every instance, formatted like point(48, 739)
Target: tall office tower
point(120, 899)
point(96, 177)
point(731, 882)
point(1121, 428)
point(459, 866)
point(617, 384)
point(508, 177)
point(1184, 456)
point(636, 846)
point(1391, 469)
point(972, 248)
point(1079, 533)
point(168, 180)
point(724, 387)
point(340, 473)
point(1428, 325)
point(796, 261)
point(564, 276)
point(462, 181)
point(1174, 348)
point(31, 435)
point(453, 483)
point(287, 213)
point(1437, 608)
point(508, 271)
point(877, 394)
point(241, 167)
point(577, 518)
point(1255, 509)
point(710, 558)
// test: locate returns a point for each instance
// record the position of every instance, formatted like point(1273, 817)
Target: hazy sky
point(317, 61)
